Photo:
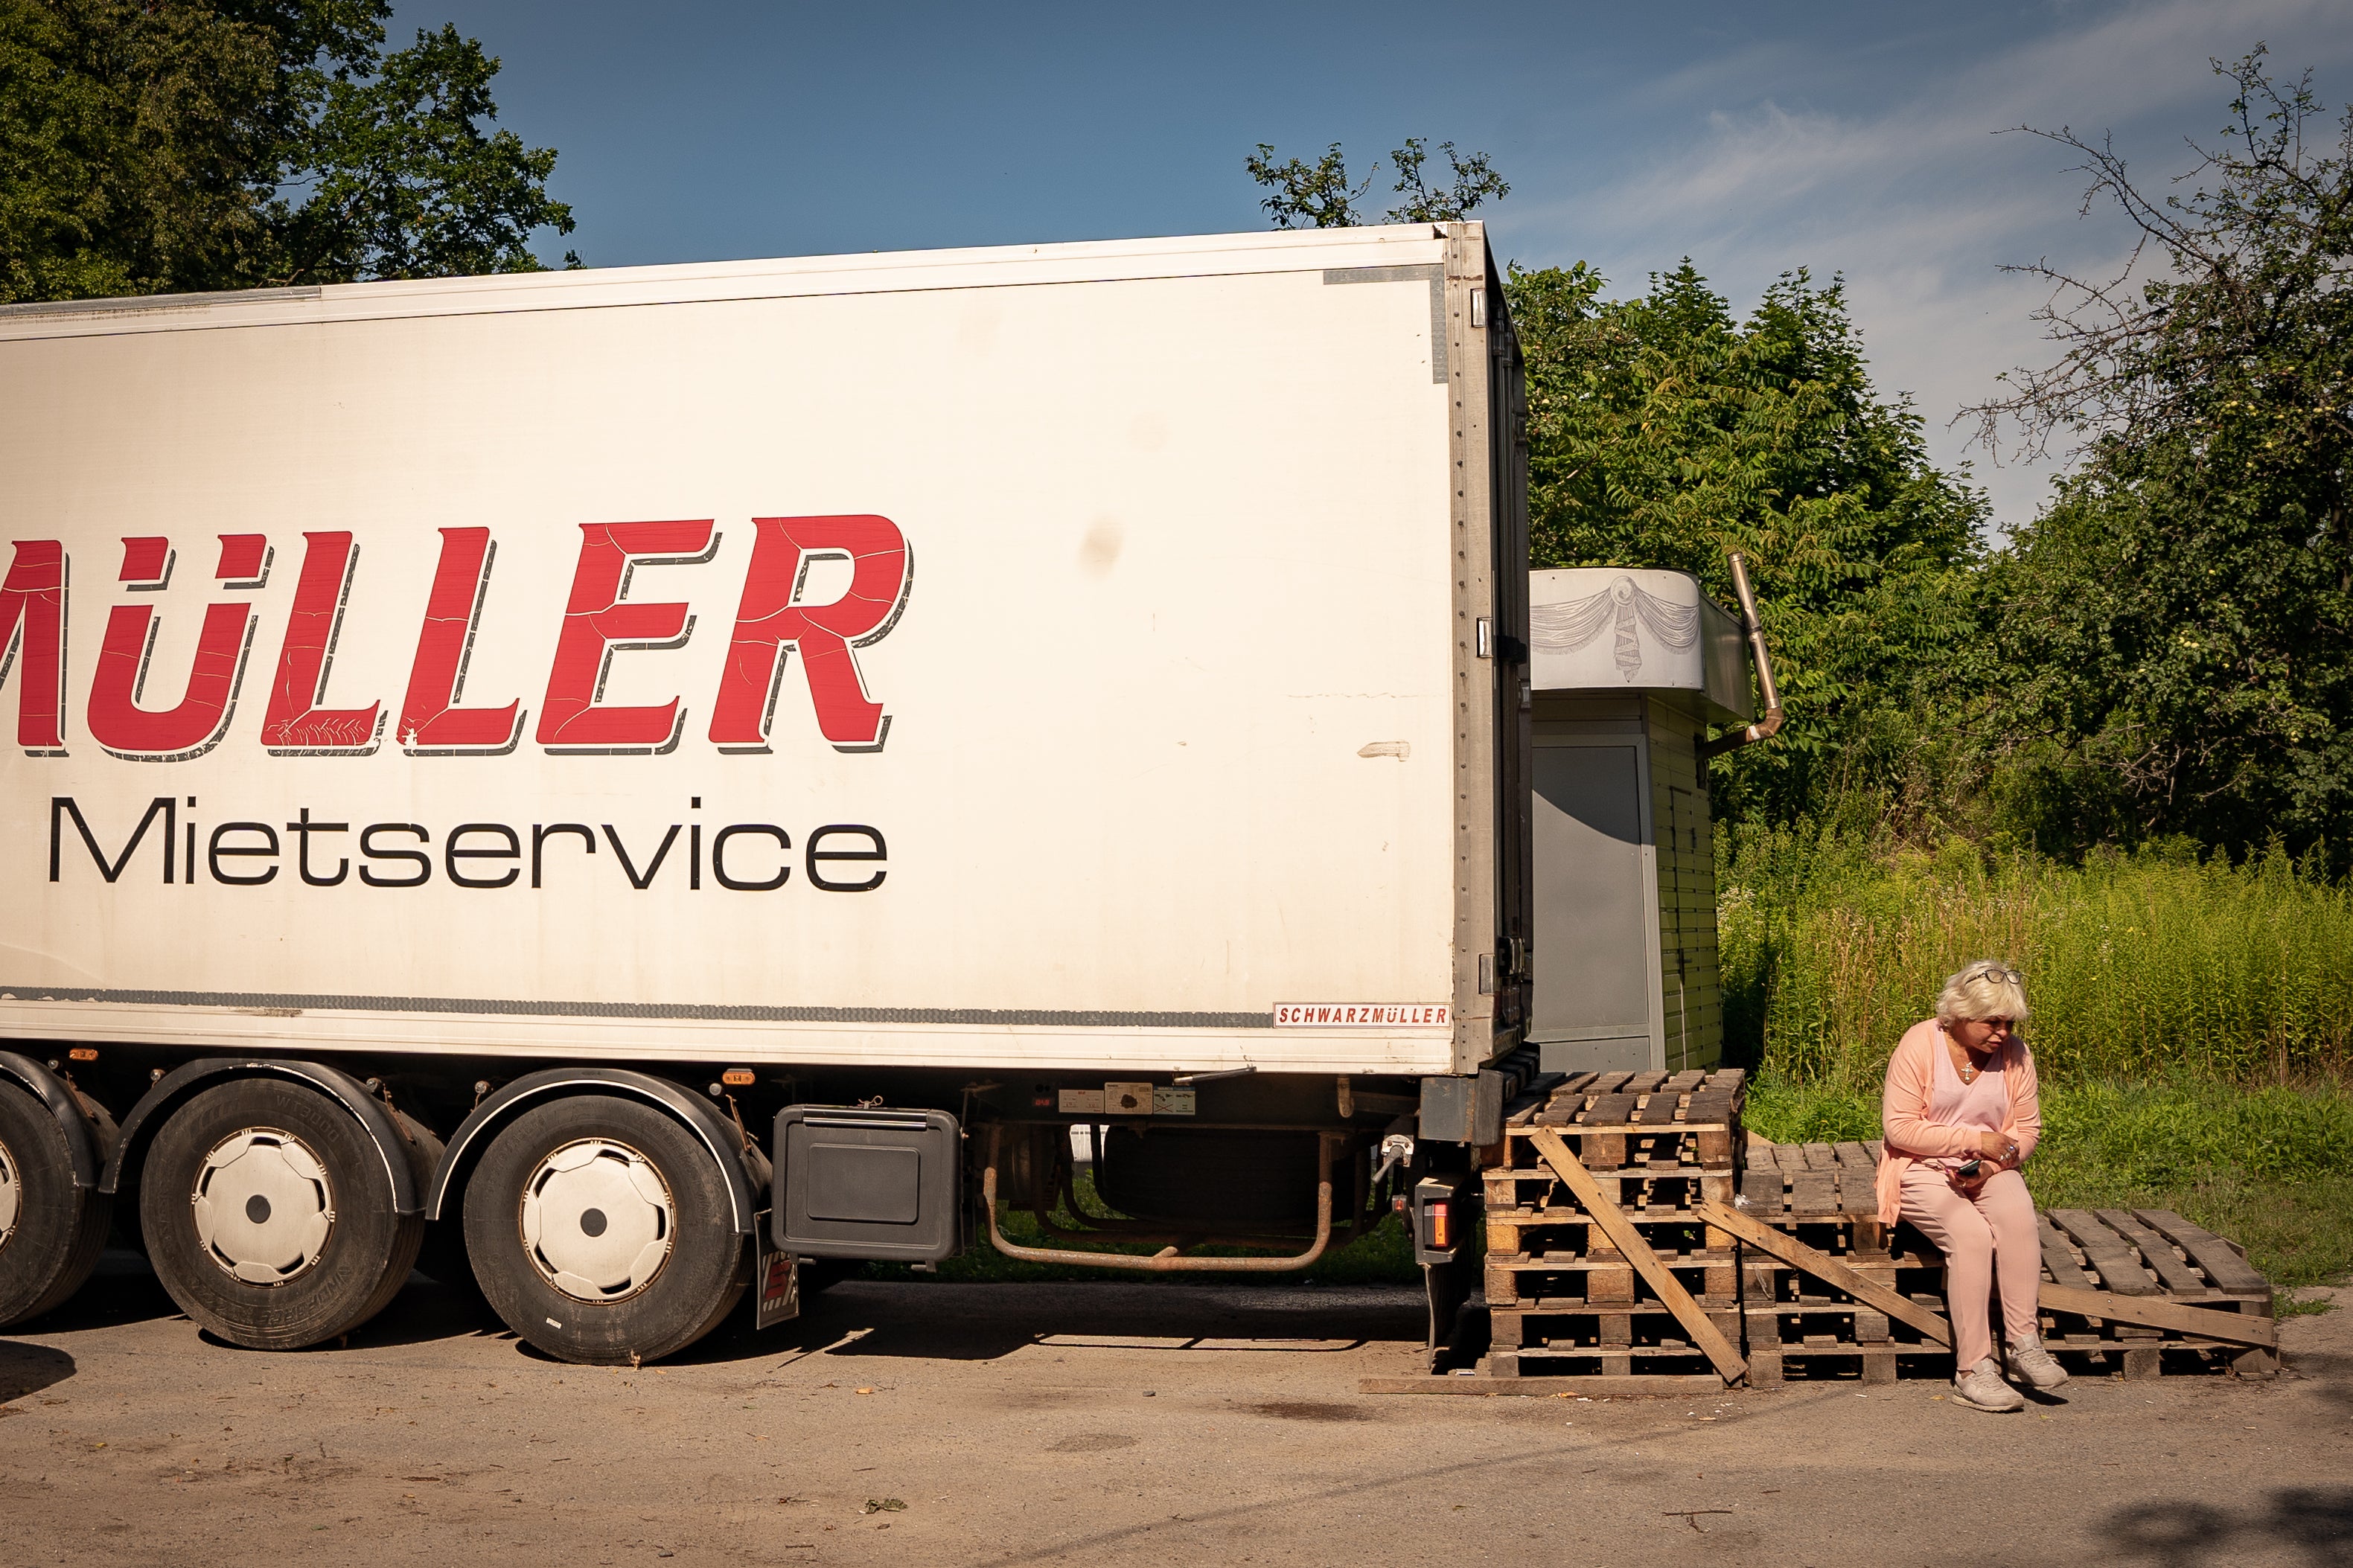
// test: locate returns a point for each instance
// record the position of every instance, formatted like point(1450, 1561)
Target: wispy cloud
point(1917, 201)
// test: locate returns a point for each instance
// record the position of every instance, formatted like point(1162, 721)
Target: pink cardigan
point(1903, 1109)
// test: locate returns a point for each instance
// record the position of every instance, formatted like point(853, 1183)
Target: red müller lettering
point(118, 722)
point(431, 719)
point(33, 639)
point(294, 723)
point(771, 621)
point(596, 624)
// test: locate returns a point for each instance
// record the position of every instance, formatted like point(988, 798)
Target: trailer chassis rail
point(1169, 1260)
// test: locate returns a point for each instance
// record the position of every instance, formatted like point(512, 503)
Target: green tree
point(154, 145)
point(1665, 432)
point(2174, 650)
point(1322, 194)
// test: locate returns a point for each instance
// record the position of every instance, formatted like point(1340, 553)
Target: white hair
point(1985, 989)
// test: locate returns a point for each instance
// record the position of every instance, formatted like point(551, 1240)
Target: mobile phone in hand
point(1969, 1172)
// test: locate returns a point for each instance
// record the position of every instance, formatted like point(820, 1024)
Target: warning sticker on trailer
point(1362, 1015)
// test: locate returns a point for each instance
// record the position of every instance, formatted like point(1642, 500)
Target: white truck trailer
point(625, 779)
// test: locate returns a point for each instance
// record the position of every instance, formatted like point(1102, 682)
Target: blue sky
point(1754, 137)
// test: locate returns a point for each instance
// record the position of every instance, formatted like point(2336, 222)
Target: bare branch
point(2213, 284)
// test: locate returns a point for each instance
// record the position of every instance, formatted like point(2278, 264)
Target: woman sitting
point(1961, 1115)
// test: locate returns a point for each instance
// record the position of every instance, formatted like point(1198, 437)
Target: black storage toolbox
point(885, 1186)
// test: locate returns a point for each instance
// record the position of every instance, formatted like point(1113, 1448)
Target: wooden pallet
point(1818, 1330)
point(1796, 1325)
point(1824, 1194)
point(1603, 1347)
point(1515, 1193)
point(1578, 1244)
point(1564, 1327)
point(1522, 1278)
point(1873, 1364)
point(1811, 1178)
point(1786, 1311)
point(2152, 1255)
point(1907, 1264)
point(1654, 1369)
point(1896, 1256)
point(1563, 1299)
point(1563, 1302)
point(1486, 1384)
point(1615, 1121)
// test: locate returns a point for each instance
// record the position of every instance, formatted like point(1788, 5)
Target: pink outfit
point(1933, 1121)
point(1981, 1105)
point(1912, 1133)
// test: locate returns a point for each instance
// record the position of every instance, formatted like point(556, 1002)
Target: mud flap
point(776, 1282)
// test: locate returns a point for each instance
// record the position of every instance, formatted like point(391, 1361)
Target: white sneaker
point(2031, 1363)
point(1981, 1388)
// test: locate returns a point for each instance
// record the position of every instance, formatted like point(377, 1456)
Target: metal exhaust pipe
point(1764, 729)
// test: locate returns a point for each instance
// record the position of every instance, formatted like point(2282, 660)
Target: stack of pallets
point(2154, 1257)
point(1562, 1297)
point(1824, 1195)
point(1780, 1257)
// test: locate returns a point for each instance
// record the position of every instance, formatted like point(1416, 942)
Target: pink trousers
point(1993, 1235)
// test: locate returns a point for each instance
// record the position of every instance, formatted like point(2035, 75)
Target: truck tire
point(601, 1232)
point(51, 1231)
point(268, 1216)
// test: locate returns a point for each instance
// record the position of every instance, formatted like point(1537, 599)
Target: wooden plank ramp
point(2145, 1292)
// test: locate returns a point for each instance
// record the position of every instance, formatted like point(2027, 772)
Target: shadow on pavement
point(424, 1311)
point(29, 1369)
point(427, 1309)
point(2331, 1370)
point(878, 1318)
point(2317, 1520)
point(987, 1322)
point(123, 1289)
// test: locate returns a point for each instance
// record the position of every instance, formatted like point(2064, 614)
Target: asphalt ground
point(1109, 1423)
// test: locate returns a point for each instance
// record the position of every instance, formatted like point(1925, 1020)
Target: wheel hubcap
point(263, 1209)
point(12, 1196)
point(598, 1220)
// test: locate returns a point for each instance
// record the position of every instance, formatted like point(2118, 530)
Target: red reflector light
point(1441, 1227)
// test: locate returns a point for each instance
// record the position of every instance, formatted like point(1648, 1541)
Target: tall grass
point(2138, 967)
